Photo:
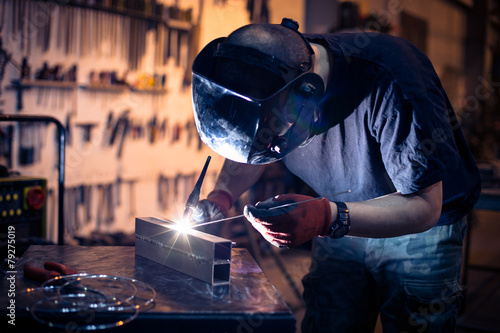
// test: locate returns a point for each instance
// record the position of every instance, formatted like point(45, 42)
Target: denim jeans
point(412, 281)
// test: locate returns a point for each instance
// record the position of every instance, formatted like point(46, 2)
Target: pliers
point(52, 270)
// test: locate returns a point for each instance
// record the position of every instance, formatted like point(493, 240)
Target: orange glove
point(291, 225)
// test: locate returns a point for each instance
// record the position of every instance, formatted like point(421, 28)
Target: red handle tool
point(62, 269)
point(52, 270)
point(39, 274)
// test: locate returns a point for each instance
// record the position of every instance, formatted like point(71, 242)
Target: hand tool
point(86, 131)
point(47, 33)
point(39, 274)
point(20, 24)
point(60, 23)
point(163, 128)
point(2, 15)
point(52, 270)
point(87, 200)
point(100, 206)
point(120, 127)
point(131, 205)
point(25, 69)
point(176, 133)
point(14, 17)
point(195, 194)
point(164, 190)
point(110, 204)
point(68, 130)
point(153, 129)
point(125, 129)
point(28, 28)
point(190, 128)
point(60, 268)
point(26, 144)
point(7, 143)
point(76, 198)
point(167, 47)
point(108, 129)
point(65, 13)
point(118, 189)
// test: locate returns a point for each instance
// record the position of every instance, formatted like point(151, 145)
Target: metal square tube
point(200, 255)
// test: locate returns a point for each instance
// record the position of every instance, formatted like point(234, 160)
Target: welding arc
point(275, 207)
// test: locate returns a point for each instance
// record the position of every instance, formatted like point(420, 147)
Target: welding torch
point(193, 198)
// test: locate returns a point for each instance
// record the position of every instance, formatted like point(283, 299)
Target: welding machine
point(23, 206)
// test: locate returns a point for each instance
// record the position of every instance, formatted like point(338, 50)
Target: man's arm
point(395, 214)
point(236, 178)
point(388, 216)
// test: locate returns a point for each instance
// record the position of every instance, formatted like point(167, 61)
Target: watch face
point(340, 231)
point(342, 225)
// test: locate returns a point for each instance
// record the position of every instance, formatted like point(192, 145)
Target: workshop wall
point(446, 28)
point(438, 27)
point(132, 146)
point(295, 9)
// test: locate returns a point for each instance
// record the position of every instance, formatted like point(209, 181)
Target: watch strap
point(342, 224)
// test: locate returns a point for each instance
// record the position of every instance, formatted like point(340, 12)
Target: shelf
point(16, 84)
point(134, 13)
point(149, 91)
point(178, 24)
point(113, 10)
point(86, 124)
point(105, 87)
point(121, 88)
point(42, 84)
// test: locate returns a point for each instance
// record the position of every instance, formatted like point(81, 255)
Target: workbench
point(249, 303)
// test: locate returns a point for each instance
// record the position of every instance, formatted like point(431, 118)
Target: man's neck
point(322, 63)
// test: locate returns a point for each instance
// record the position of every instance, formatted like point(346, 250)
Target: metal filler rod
point(272, 208)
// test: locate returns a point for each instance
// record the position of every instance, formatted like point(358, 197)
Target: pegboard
point(124, 96)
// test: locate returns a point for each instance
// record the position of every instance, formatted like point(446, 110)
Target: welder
point(364, 112)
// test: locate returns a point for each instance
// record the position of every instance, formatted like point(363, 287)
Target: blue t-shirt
point(390, 127)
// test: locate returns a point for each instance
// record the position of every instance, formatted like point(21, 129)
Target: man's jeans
point(412, 280)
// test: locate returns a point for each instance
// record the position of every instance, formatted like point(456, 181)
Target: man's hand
point(293, 224)
point(214, 207)
point(206, 211)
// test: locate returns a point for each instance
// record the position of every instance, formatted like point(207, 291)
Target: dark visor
point(226, 121)
point(247, 129)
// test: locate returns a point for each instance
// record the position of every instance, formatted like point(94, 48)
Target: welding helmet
point(249, 129)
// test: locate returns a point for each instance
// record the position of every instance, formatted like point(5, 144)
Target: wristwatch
point(342, 223)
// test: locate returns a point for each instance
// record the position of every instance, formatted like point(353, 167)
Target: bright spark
point(182, 225)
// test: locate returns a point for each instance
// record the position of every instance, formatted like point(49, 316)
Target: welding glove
point(293, 224)
point(214, 207)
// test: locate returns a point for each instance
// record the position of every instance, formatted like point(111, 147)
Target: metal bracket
point(200, 255)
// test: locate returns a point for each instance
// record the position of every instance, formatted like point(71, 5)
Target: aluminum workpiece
point(200, 255)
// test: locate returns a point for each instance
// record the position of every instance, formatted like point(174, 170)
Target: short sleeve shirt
point(390, 127)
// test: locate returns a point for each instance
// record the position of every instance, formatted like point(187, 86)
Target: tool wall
point(116, 74)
